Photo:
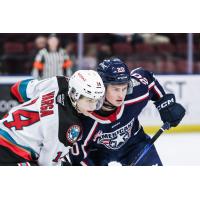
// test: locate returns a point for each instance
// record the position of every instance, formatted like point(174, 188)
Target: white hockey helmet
point(86, 83)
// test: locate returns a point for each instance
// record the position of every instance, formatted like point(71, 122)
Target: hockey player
point(41, 130)
point(113, 133)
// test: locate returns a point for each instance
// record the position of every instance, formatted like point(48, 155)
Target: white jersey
point(44, 127)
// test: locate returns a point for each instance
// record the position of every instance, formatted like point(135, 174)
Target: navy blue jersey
point(119, 136)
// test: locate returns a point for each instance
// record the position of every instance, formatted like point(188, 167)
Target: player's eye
point(124, 89)
point(91, 100)
point(116, 89)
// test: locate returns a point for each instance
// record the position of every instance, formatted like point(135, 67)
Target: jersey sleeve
point(39, 60)
point(31, 88)
point(156, 91)
point(67, 62)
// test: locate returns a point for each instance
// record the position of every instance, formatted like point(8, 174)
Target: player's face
point(86, 105)
point(115, 94)
point(53, 43)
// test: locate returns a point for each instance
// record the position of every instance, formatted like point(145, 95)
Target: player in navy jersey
point(114, 133)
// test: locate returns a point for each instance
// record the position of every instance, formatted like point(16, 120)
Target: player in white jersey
point(41, 130)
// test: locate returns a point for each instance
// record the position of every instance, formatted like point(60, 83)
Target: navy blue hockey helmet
point(114, 71)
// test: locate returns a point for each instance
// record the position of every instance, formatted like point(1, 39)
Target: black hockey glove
point(169, 110)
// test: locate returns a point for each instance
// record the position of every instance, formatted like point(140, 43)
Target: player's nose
point(120, 95)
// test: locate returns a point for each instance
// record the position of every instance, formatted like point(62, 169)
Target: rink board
point(186, 89)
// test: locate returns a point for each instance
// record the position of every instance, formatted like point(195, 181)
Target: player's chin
point(118, 103)
point(87, 113)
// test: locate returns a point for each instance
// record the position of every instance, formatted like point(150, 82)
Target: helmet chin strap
point(108, 106)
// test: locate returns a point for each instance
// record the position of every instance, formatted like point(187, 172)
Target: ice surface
point(179, 149)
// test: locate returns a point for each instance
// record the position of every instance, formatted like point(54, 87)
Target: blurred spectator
point(90, 59)
point(40, 42)
point(104, 52)
point(70, 50)
point(153, 38)
point(33, 48)
point(52, 61)
point(132, 38)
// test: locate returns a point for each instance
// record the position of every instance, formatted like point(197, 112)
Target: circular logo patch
point(73, 133)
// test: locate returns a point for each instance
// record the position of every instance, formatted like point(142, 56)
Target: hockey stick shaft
point(146, 149)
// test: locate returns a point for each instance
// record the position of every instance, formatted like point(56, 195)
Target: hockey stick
point(146, 149)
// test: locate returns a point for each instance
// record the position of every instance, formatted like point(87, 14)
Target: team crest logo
point(115, 140)
point(73, 133)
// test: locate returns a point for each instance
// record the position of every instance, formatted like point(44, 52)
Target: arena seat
point(13, 47)
point(122, 48)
